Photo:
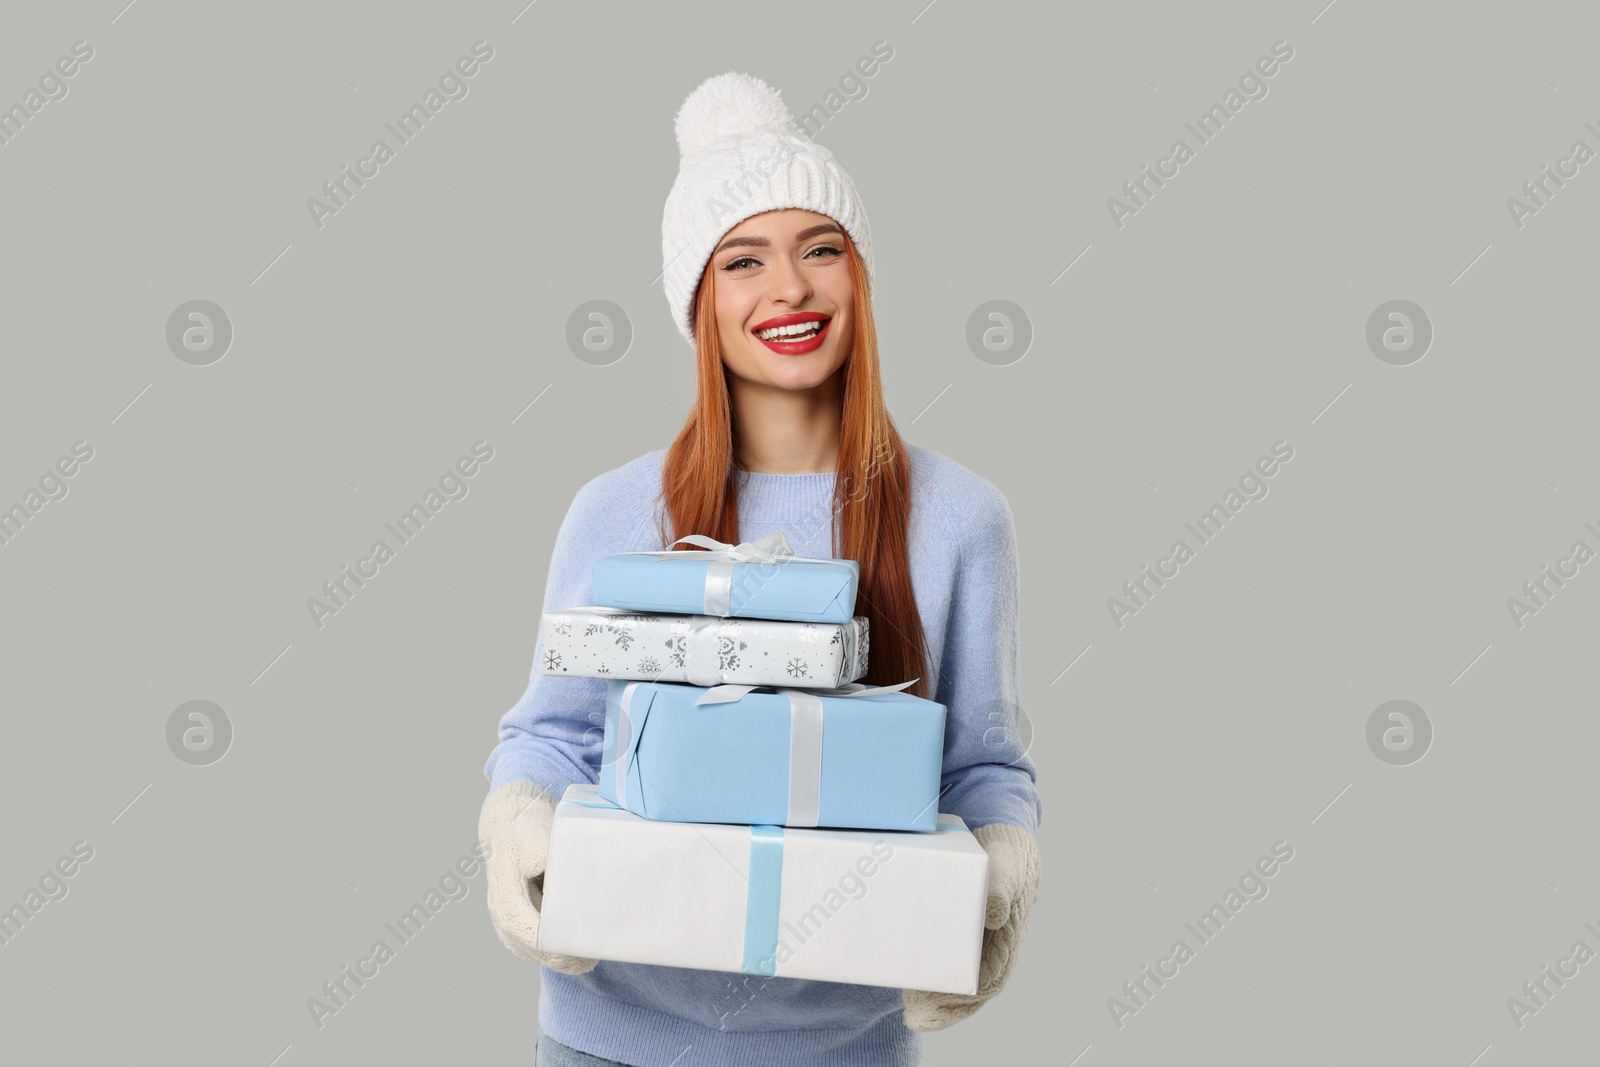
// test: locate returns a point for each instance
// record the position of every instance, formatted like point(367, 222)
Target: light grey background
point(1227, 314)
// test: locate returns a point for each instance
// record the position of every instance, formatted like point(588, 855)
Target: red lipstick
point(804, 341)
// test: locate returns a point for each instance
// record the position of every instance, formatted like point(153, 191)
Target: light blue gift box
point(855, 757)
point(757, 580)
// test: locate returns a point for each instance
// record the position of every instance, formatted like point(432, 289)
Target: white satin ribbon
point(764, 550)
point(701, 660)
point(805, 754)
point(624, 739)
point(805, 738)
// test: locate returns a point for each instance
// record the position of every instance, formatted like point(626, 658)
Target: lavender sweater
point(963, 554)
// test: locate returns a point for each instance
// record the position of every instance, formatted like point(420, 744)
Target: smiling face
point(783, 298)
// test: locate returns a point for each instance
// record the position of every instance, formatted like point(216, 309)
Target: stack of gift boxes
point(758, 810)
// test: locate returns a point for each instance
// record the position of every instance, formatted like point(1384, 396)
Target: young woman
point(768, 270)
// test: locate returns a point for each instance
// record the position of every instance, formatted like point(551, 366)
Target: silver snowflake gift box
point(603, 642)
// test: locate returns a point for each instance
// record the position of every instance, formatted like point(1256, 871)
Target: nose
point(789, 283)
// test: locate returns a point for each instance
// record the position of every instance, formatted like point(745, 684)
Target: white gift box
point(598, 642)
point(870, 907)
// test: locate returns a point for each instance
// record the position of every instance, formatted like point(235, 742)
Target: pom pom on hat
point(741, 153)
point(729, 105)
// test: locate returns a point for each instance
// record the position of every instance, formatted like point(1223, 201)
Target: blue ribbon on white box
point(761, 904)
point(763, 900)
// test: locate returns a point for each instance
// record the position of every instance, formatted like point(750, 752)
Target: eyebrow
point(762, 242)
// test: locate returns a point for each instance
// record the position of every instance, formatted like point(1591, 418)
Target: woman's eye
point(734, 266)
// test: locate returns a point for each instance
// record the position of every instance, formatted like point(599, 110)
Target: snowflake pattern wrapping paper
point(599, 642)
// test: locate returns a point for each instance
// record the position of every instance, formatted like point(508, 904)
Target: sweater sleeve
point(988, 775)
point(553, 735)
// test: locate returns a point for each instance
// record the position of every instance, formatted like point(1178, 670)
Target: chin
point(757, 363)
point(800, 372)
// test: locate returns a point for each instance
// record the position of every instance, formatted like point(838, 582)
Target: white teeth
point(797, 331)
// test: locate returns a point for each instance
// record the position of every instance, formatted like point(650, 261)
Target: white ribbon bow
point(765, 550)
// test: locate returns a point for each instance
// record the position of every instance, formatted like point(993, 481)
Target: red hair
point(872, 484)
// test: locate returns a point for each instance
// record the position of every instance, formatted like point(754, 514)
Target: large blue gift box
point(851, 757)
point(757, 580)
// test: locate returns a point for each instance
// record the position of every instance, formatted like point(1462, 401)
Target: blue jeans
point(551, 1053)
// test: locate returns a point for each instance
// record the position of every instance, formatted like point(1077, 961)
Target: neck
point(786, 431)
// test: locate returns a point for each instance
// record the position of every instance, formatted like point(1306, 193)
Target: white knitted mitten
point(1013, 887)
point(514, 828)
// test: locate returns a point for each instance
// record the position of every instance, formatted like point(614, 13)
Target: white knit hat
point(741, 153)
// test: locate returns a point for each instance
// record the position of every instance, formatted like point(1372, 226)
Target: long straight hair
point(871, 505)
